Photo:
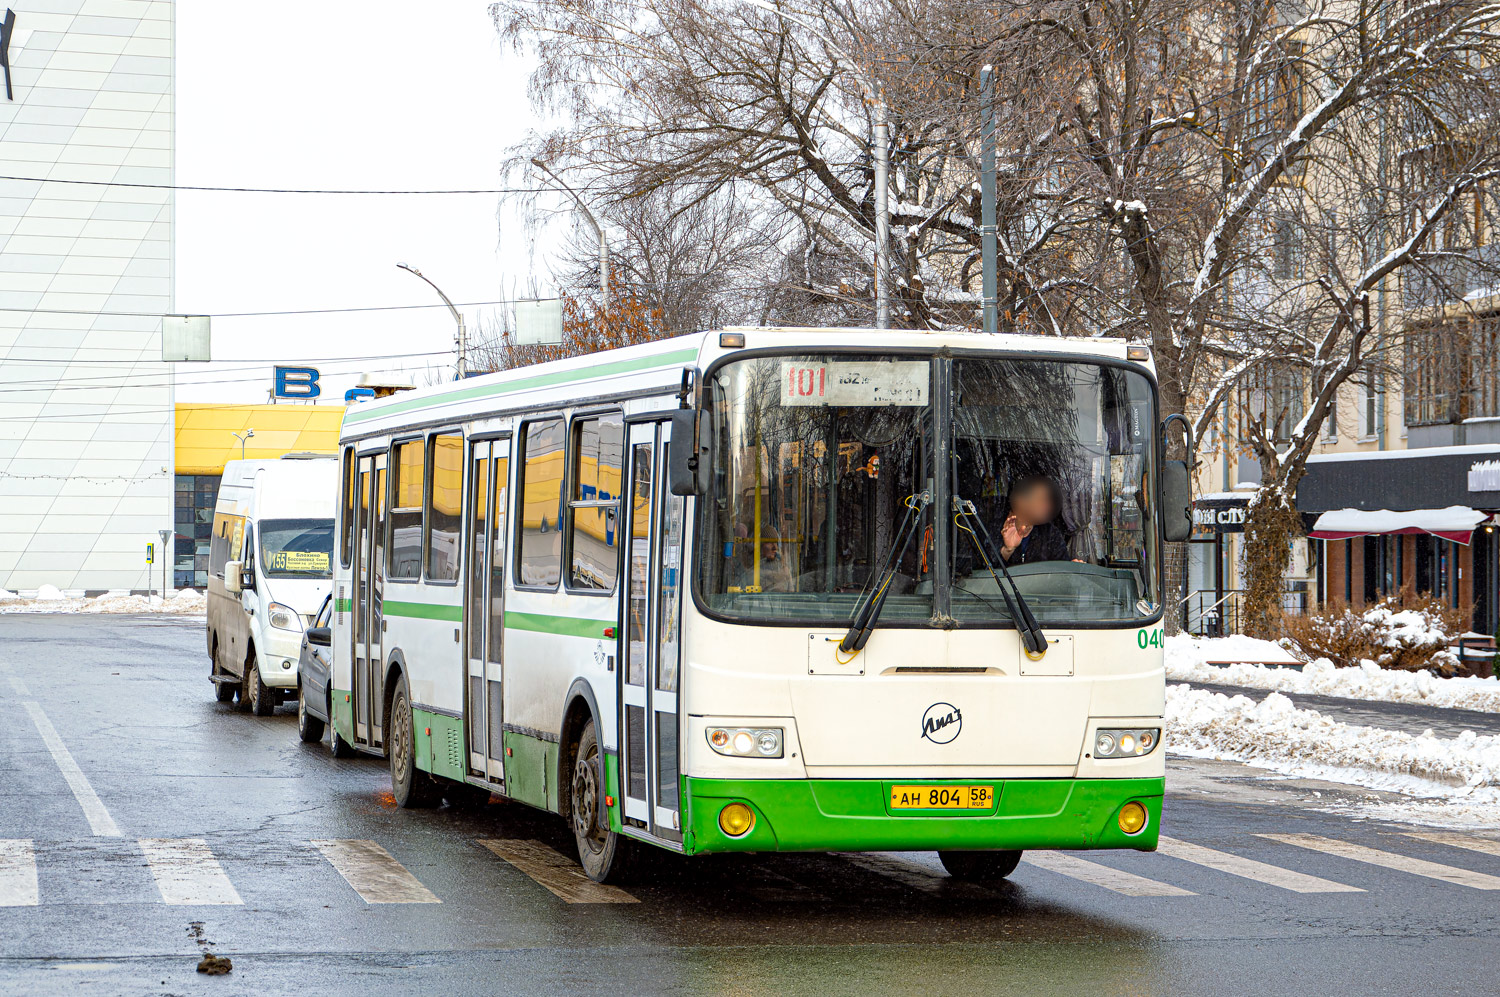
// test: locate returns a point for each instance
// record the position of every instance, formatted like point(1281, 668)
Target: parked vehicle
point(313, 693)
point(270, 563)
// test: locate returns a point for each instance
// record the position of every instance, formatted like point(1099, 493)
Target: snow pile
point(48, 599)
point(1275, 735)
point(1228, 650)
point(1187, 660)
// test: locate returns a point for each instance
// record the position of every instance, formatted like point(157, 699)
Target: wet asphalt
point(130, 700)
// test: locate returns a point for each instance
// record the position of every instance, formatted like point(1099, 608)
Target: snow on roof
point(1453, 519)
point(1472, 448)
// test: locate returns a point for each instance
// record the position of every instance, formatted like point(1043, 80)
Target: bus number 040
point(1148, 638)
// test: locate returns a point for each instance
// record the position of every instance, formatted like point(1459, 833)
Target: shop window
point(406, 513)
point(539, 551)
point(444, 505)
point(593, 506)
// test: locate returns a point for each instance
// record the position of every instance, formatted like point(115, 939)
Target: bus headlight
point(283, 617)
point(1125, 743)
point(747, 742)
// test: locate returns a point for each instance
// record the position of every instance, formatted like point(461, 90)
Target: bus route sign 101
point(854, 383)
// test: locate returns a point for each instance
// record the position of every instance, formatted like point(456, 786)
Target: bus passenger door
point(484, 608)
point(651, 611)
point(369, 620)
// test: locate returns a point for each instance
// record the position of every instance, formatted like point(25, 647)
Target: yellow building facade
point(209, 436)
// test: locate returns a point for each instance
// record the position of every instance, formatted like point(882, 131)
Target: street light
point(593, 223)
point(463, 335)
point(881, 142)
point(242, 437)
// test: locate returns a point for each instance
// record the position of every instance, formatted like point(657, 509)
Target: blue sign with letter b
point(297, 382)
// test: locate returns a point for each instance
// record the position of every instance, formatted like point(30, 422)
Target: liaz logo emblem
point(941, 723)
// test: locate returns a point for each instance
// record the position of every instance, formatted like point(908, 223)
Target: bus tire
point(411, 787)
point(603, 854)
point(980, 867)
point(309, 727)
point(223, 691)
point(261, 700)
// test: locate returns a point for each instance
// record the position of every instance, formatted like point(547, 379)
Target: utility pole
point(463, 335)
point(989, 250)
point(588, 216)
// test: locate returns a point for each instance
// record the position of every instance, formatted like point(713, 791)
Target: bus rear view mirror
point(232, 571)
point(687, 463)
point(1176, 501)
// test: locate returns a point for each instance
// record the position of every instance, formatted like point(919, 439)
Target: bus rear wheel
point(602, 853)
point(980, 867)
point(410, 785)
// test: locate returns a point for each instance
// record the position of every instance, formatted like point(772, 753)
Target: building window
point(1452, 370)
point(1272, 399)
point(1368, 384)
point(193, 524)
point(444, 506)
point(539, 552)
point(406, 512)
point(593, 507)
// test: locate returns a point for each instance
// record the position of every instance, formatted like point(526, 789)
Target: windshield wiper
point(1032, 637)
point(868, 611)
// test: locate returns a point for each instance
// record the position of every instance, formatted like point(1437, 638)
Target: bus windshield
point(818, 459)
point(296, 548)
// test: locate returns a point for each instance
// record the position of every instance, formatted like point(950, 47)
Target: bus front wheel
point(980, 866)
point(410, 785)
point(601, 852)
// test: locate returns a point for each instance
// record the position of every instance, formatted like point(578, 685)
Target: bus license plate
point(942, 797)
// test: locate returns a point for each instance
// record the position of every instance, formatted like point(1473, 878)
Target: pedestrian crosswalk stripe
point(100, 822)
point(558, 873)
point(1260, 872)
point(186, 872)
point(1489, 846)
point(375, 875)
point(1102, 875)
point(1390, 860)
point(17, 873)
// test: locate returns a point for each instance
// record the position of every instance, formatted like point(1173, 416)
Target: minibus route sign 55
point(1148, 637)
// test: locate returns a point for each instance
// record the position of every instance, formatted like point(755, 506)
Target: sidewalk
point(1412, 718)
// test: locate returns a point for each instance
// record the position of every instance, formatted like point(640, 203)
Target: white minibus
point(270, 564)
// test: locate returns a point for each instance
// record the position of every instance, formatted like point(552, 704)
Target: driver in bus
point(1033, 529)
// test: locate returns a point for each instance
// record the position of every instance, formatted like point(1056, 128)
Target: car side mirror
point(688, 453)
point(1176, 501)
point(233, 576)
point(321, 636)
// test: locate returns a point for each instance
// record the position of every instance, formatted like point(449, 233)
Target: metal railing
point(1207, 614)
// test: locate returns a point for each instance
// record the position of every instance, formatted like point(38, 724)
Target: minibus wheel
point(410, 785)
point(980, 866)
point(262, 700)
point(603, 854)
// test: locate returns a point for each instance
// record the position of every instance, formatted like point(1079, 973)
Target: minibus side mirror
point(232, 575)
point(319, 636)
point(1176, 501)
point(687, 463)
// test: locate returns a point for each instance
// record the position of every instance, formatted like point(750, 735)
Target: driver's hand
point(1013, 532)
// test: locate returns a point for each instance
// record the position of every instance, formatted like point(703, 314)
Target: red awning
point(1456, 523)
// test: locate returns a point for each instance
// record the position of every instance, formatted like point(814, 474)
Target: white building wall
point(86, 419)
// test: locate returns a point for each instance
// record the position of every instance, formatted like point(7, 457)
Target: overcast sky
point(378, 95)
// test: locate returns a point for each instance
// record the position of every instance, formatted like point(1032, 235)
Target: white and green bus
point(770, 590)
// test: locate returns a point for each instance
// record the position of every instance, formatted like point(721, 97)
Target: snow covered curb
point(49, 600)
point(1275, 735)
point(1187, 661)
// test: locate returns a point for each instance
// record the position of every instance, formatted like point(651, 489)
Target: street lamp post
point(242, 437)
point(593, 223)
point(463, 335)
point(880, 140)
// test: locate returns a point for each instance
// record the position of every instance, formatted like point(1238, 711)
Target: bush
point(1404, 632)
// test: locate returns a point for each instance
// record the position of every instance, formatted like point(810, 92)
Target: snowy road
point(181, 823)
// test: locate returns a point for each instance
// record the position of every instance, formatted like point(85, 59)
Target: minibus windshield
point(296, 548)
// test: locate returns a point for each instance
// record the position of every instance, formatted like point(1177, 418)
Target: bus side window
point(346, 511)
point(405, 547)
point(597, 451)
point(539, 500)
point(444, 506)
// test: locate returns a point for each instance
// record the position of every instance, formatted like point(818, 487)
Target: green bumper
point(794, 815)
